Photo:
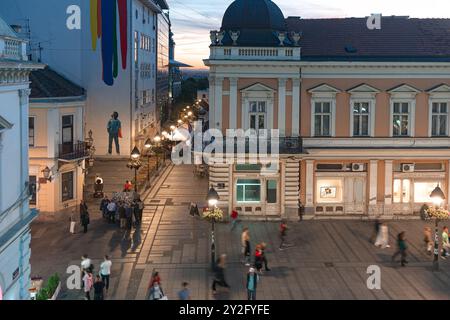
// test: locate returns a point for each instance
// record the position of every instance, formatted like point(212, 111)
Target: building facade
point(368, 111)
point(56, 141)
point(163, 93)
point(113, 55)
point(15, 213)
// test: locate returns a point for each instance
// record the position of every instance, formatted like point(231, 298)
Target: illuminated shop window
point(248, 190)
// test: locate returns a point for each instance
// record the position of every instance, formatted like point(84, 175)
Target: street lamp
point(213, 199)
point(157, 141)
point(437, 196)
point(135, 154)
point(46, 172)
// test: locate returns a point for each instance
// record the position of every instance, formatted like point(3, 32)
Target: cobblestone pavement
point(329, 259)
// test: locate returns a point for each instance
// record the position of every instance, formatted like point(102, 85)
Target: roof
point(175, 63)
point(163, 4)
point(349, 39)
point(5, 30)
point(257, 21)
point(46, 83)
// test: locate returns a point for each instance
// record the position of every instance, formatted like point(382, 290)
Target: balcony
point(73, 152)
point(255, 53)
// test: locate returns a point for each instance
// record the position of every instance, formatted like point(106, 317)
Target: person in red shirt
point(234, 217)
point(258, 258)
point(128, 186)
point(283, 231)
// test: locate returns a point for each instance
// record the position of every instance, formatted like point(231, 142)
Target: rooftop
point(46, 83)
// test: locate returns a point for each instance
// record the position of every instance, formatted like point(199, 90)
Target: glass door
point(272, 197)
point(67, 134)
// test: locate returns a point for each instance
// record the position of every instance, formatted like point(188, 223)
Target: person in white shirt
point(111, 208)
point(86, 265)
point(105, 271)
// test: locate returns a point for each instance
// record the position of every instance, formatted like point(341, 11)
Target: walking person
point(264, 257)
point(402, 247)
point(245, 243)
point(234, 219)
point(156, 292)
point(258, 259)
point(122, 215)
point(85, 266)
point(129, 215)
point(283, 234)
point(428, 239)
point(88, 282)
point(252, 283)
point(104, 207)
point(382, 240)
point(84, 216)
point(99, 289)
point(112, 208)
point(445, 243)
point(376, 231)
point(184, 294)
point(155, 279)
point(105, 271)
point(219, 274)
point(73, 222)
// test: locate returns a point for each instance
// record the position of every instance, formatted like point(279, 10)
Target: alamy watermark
point(374, 279)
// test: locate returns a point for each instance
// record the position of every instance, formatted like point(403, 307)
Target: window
point(361, 118)
point(248, 190)
point(136, 47)
point(257, 115)
point(31, 131)
point(400, 119)
point(32, 186)
point(67, 186)
point(272, 191)
point(322, 119)
point(422, 191)
point(402, 190)
point(329, 190)
point(439, 119)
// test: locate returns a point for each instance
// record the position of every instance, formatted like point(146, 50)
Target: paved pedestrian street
point(329, 259)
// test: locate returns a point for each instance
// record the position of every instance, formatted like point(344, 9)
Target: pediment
point(324, 88)
point(404, 88)
point(363, 88)
point(258, 87)
point(441, 88)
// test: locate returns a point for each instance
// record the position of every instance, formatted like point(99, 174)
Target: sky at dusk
point(193, 19)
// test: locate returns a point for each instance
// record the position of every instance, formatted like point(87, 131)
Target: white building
point(15, 214)
point(122, 80)
point(56, 140)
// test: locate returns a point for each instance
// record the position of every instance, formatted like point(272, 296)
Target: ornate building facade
point(363, 115)
point(15, 214)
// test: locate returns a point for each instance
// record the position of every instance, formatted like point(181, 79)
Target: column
point(295, 107)
point(282, 106)
point(388, 187)
point(233, 103)
point(212, 101)
point(373, 185)
point(218, 104)
point(282, 165)
point(309, 205)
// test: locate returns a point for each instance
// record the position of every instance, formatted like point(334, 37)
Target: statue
point(213, 37)
point(235, 36)
point(296, 36)
point(281, 37)
point(220, 36)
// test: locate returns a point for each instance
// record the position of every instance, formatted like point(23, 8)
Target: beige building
point(56, 141)
point(363, 116)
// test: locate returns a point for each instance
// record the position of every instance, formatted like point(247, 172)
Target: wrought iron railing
point(73, 151)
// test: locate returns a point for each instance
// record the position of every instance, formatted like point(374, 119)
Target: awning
point(175, 63)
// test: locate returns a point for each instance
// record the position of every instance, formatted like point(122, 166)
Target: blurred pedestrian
point(382, 240)
point(401, 250)
point(73, 222)
point(104, 207)
point(105, 271)
point(128, 187)
point(445, 243)
point(219, 274)
point(264, 257)
point(376, 230)
point(122, 215)
point(84, 216)
point(252, 283)
point(129, 215)
point(283, 234)
point(184, 293)
point(245, 243)
point(88, 282)
point(99, 289)
point(155, 279)
point(112, 208)
point(156, 292)
point(258, 259)
point(428, 240)
point(234, 219)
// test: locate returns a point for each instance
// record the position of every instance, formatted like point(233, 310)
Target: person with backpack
point(252, 282)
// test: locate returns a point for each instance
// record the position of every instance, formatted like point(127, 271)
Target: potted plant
point(51, 289)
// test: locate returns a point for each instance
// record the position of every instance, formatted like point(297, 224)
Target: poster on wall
point(114, 128)
point(328, 192)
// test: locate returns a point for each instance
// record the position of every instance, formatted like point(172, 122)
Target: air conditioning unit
point(357, 167)
point(408, 167)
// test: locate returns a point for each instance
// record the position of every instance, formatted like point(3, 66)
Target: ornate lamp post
point(213, 215)
point(438, 214)
point(135, 164)
point(47, 174)
point(148, 146)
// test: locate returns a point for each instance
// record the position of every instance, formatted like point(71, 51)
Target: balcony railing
point(70, 152)
point(255, 53)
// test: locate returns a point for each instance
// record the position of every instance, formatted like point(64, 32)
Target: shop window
point(67, 186)
point(329, 190)
point(422, 191)
point(272, 191)
point(402, 191)
point(248, 190)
